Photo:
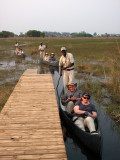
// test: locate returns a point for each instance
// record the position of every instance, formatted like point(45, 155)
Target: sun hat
point(71, 84)
point(46, 53)
point(63, 49)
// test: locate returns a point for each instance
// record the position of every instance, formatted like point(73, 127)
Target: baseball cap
point(63, 49)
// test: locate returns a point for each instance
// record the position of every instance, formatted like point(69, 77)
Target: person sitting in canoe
point(20, 52)
point(85, 113)
point(46, 57)
point(52, 57)
point(71, 96)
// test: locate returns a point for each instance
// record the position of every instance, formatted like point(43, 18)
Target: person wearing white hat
point(66, 64)
point(41, 48)
point(71, 96)
point(46, 57)
point(52, 57)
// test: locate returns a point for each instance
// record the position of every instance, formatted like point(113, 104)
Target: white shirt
point(16, 44)
point(22, 52)
point(65, 61)
point(42, 48)
point(46, 58)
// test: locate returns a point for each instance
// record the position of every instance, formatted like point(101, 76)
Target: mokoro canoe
point(92, 141)
point(54, 63)
point(20, 55)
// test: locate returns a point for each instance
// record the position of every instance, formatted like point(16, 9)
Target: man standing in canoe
point(66, 64)
point(42, 50)
point(16, 47)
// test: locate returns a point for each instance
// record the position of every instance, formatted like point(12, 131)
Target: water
point(75, 151)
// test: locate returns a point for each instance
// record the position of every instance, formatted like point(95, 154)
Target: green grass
point(84, 48)
point(5, 91)
point(104, 51)
point(96, 69)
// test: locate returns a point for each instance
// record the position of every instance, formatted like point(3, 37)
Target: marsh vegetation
point(97, 65)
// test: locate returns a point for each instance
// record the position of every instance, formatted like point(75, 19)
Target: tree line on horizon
point(35, 33)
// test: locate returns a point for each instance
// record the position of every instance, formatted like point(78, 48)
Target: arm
point(77, 111)
point(75, 98)
point(71, 99)
point(93, 115)
point(76, 95)
point(63, 68)
point(61, 65)
point(65, 101)
point(70, 65)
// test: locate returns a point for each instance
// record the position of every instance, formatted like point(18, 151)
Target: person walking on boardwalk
point(66, 64)
point(41, 48)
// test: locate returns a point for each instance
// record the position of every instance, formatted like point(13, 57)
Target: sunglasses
point(86, 97)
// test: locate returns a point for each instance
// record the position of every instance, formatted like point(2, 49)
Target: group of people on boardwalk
point(76, 101)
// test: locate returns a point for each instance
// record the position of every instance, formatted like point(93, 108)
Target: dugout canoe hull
point(92, 142)
point(55, 64)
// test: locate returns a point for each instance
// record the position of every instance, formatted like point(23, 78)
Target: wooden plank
point(30, 125)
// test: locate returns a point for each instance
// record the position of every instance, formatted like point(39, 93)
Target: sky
point(100, 16)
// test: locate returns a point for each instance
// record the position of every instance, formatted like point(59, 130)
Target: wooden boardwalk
point(29, 122)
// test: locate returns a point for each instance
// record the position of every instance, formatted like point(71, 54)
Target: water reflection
point(43, 69)
point(76, 146)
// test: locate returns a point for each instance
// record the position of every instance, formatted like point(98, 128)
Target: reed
point(105, 74)
point(94, 88)
point(5, 91)
point(114, 85)
point(118, 46)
